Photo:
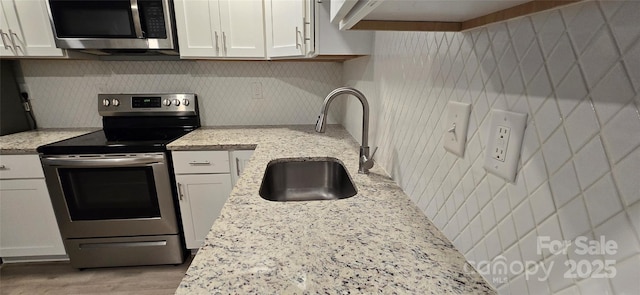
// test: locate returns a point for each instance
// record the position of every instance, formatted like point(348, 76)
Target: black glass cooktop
point(115, 141)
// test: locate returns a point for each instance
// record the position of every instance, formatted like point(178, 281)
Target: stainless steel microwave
point(112, 24)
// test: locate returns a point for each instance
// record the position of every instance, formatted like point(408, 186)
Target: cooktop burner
point(99, 142)
point(134, 123)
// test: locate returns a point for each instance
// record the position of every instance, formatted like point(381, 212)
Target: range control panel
point(169, 104)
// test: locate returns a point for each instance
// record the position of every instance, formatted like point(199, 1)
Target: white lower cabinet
point(204, 180)
point(201, 199)
point(238, 160)
point(204, 185)
point(28, 226)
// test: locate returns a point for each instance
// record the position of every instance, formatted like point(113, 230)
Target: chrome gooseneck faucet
point(365, 162)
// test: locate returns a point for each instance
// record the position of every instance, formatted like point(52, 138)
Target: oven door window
point(110, 193)
point(92, 19)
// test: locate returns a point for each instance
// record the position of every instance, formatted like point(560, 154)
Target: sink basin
point(304, 179)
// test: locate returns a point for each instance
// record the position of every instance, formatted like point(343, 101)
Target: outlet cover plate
point(516, 123)
point(455, 137)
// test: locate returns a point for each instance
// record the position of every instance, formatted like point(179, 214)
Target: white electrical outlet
point(502, 141)
point(505, 140)
point(457, 124)
point(256, 90)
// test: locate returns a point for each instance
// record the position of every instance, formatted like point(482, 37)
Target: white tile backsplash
point(574, 219)
point(581, 124)
point(64, 93)
point(602, 200)
point(542, 203)
point(570, 91)
point(556, 150)
point(622, 134)
point(564, 184)
point(627, 279)
point(591, 163)
point(576, 72)
point(612, 93)
point(523, 219)
point(594, 286)
point(598, 58)
point(619, 229)
point(625, 174)
point(623, 26)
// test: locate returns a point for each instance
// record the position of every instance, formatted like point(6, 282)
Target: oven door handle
point(147, 160)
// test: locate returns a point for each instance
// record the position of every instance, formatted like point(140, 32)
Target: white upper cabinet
point(331, 41)
point(302, 28)
point(340, 8)
point(263, 29)
point(6, 49)
point(242, 28)
point(220, 28)
point(285, 22)
point(26, 30)
point(431, 15)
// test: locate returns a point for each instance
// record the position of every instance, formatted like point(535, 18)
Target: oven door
point(111, 195)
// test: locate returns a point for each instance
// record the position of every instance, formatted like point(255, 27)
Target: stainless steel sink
point(303, 179)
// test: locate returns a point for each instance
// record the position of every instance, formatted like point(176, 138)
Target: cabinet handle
point(224, 42)
point(3, 167)
point(298, 45)
point(203, 163)
point(4, 41)
point(13, 41)
point(217, 46)
point(238, 166)
point(180, 191)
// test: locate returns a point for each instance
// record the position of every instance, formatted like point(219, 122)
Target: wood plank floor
point(61, 278)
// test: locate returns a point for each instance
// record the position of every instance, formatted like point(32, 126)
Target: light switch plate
point(504, 143)
point(455, 136)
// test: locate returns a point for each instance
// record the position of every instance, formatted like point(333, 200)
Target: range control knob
point(115, 102)
point(167, 102)
point(106, 102)
point(185, 102)
point(176, 102)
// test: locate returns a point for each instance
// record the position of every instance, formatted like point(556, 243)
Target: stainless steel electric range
point(113, 190)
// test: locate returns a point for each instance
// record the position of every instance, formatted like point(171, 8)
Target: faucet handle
point(375, 150)
point(367, 163)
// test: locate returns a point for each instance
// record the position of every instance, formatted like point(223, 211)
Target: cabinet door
point(239, 160)
point(6, 48)
point(27, 223)
point(198, 25)
point(37, 34)
point(242, 25)
point(201, 197)
point(285, 27)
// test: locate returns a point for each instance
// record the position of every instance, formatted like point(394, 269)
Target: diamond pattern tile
point(65, 92)
point(612, 93)
point(583, 21)
point(564, 69)
point(623, 25)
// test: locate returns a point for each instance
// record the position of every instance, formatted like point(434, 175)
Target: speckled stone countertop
point(375, 242)
point(27, 142)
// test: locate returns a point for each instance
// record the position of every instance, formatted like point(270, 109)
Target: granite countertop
point(375, 242)
point(27, 142)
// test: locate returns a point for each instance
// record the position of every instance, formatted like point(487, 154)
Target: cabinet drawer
point(20, 166)
point(201, 162)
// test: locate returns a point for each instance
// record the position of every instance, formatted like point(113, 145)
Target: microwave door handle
point(137, 24)
point(148, 160)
